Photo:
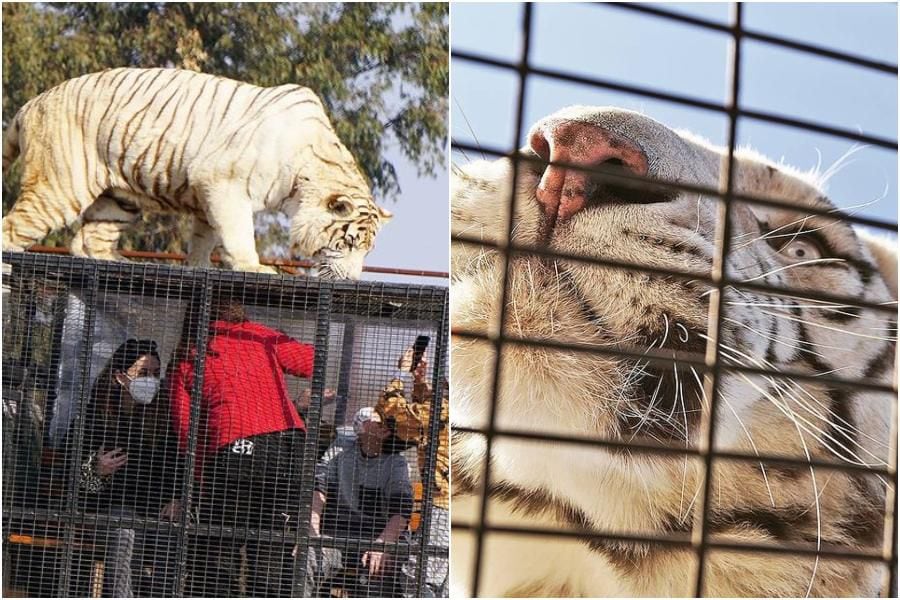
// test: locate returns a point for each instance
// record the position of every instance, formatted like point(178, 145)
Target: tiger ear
point(884, 251)
point(385, 214)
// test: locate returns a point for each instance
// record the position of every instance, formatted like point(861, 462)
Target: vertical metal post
point(12, 449)
point(74, 473)
point(700, 530)
point(889, 543)
point(53, 379)
point(523, 71)
point(310, 446)
point(343, 386)
point(434, 435)
point(200, 338)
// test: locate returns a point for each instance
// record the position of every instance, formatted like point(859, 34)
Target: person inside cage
point(129, 468)
point(361, 493)
point(408, 417)
point(249, 443)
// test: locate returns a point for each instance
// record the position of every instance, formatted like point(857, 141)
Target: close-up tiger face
point(570, 216)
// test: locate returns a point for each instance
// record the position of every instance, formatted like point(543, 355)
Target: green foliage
point(380, 68)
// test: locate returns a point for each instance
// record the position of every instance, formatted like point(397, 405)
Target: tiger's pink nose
point(562, 191)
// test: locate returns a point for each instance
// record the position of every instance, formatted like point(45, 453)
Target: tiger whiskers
point(812, 472)
point(812, 261)
point(775, 340)
point(746, 431)
point(787, 396)
point(830, 328)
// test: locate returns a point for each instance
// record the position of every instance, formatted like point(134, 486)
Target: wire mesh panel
point(172, 432)
point(673, 365)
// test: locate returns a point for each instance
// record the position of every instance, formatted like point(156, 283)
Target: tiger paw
point(255, 268)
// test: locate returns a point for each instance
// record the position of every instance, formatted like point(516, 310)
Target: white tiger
point(104, 147)
point(576, 394)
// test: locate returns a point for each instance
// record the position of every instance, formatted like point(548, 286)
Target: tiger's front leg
point(203, 242)
point(103, 224)
point(230, 214)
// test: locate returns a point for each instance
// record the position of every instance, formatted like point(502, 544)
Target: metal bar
point(276, 262)
point(308, 464)
point(434, 437)
point(523, 70)
point(661, 184)
point(683, 100)
point(660, 358)
point(716, 318)
point(27, 323)
point(346, 366)
point(889, 544)
point(681, 451)
point(74, 473)
point(821, 51)
point(10, 454)
point(675, 541)
point(221, 531)
point(887, 308)
point(200, 338)
point(70, 268)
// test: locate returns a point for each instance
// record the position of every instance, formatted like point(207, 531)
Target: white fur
point(101, 148)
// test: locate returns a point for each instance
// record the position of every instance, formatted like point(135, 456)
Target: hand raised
point(421, 372)
point(110, 462)
point(375, 561)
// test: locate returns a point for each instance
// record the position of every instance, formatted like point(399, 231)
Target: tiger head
point(571, 298)
point(335, 217)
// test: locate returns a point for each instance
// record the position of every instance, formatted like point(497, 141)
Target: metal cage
point(63, 319)
point(698, 538)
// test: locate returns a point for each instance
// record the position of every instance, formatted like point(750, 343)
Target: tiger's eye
point(800, 249)
point(340, 207)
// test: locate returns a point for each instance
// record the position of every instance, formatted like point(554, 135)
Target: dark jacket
point(150, 478)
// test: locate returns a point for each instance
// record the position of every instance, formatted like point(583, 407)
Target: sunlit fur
point(559, 486)
point(104, 148)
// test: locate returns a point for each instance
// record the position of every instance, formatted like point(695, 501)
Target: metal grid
point(710, 365)
point(62, 320)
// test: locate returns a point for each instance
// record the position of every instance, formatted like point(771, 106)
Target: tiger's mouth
point(662, 404)
point(336, 265)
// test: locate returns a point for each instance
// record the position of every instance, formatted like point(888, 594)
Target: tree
point(380, 68)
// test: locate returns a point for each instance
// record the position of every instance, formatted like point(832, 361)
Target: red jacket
point(244, 391)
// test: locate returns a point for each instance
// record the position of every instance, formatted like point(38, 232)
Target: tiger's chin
point(336, 266)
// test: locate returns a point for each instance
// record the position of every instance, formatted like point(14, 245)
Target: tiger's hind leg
point(36, 214)
point(102, 225)
point(203, 241)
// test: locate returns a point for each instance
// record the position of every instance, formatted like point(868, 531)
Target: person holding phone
point(130, 468)
point(408, 417)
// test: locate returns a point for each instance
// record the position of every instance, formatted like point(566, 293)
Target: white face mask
point(143, 389)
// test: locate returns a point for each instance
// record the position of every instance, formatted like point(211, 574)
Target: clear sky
point(417, 237)
point(611, 43)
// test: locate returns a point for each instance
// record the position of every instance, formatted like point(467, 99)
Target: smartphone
point(419, 351)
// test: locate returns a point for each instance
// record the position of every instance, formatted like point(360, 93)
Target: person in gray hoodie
point(364, 493)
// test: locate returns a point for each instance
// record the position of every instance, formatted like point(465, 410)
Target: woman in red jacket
point(249, 448)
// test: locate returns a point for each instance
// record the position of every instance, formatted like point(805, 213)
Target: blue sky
point(417, 237)
point(612, 43)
